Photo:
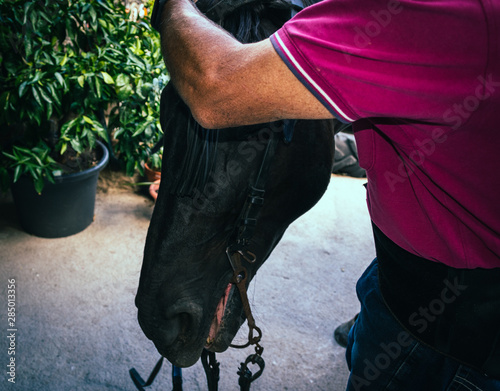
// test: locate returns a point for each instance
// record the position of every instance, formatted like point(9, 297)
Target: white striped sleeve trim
point(310, 80)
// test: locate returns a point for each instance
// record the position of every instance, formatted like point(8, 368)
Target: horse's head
point(186, 298)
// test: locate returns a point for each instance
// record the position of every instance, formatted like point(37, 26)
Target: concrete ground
point(76, 326)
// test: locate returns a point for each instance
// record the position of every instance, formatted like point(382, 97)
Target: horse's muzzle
point(171, 327)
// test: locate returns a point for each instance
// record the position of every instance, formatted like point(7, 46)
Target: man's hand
point(156, 14)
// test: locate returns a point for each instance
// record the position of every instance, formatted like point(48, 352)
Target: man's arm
point(226, 83)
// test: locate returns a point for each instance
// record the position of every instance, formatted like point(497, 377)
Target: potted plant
point(136, 129)
point(152, 171)
point(152, 167)
point(67, 70)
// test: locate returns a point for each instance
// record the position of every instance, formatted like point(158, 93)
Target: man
point(420, 82)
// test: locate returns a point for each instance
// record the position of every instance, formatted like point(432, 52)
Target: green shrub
point(73, 72)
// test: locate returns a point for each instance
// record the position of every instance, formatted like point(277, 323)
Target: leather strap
point(255, 198)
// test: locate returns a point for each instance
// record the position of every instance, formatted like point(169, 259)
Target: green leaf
point(101, 132)
point(64, 60)
point(10, 156)
point(88, 120)
point(45, 96)
point(48, 58)
point(134, 59)
point(130, 167)
point(111, 59)
point(122, 79)
point(119, 132)
point(140, 130)
point(107, 78)
point(47, 19)
point(124, 92)
point(77, 146)
point(37, 159)
point(81, 80)
point(98, 87)
point(49, 111)
point(39, 183)
point(21, 149)
point(33, 19)
point(27, 6)
point(22, 88)
point(36, 95)
point(93, 14)
point(17, 173)
point(103, 23)
point(63, 148)
point(38, 76)
point(54, 94)
point(104, 5)
point(59, 78)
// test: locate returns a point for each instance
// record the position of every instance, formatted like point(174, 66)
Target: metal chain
point(239, 279)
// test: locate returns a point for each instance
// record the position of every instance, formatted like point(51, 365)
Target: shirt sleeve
point(369, 58)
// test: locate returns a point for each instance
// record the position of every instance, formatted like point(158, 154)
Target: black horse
point(206, 217)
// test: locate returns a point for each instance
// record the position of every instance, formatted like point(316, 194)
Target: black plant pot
point(64, 208)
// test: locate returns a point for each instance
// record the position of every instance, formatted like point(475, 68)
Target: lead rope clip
point(246, 377)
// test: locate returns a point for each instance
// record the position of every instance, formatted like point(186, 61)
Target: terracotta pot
point(150, 174)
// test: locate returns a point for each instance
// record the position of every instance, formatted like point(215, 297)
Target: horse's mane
point(248, 21)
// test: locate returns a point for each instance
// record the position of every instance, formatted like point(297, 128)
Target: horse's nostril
point(187, 316)
point(169, 332)
point(184, 306)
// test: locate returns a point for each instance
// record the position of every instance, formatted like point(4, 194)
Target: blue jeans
point(383, 356)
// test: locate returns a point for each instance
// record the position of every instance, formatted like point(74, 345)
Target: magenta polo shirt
point(420, 81)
